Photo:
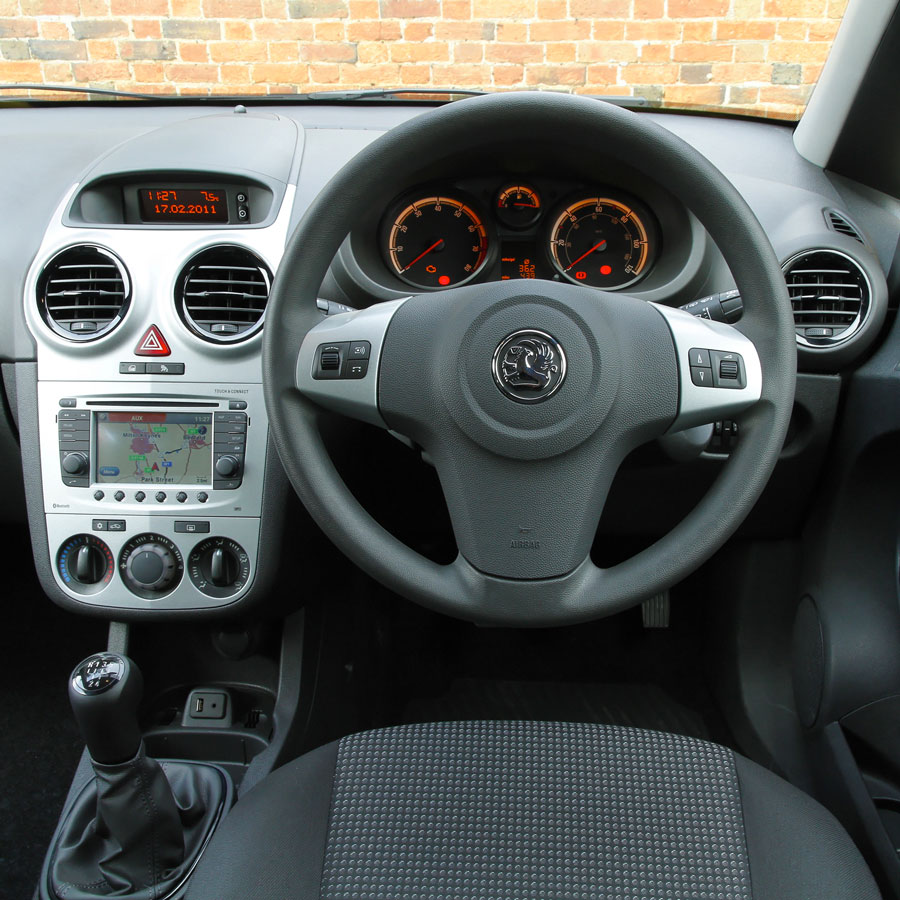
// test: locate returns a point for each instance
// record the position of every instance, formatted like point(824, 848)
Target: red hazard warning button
point(152, 344)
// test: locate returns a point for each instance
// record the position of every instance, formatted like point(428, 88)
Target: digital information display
point(182, 205)
point(521, 259)
point(154, 448)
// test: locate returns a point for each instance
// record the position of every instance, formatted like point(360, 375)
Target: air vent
point(830, 295)
point(839, 222)
point(222, 293)
point(83, 292)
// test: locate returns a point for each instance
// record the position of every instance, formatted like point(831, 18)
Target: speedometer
point(602, 242)
point(436, 241)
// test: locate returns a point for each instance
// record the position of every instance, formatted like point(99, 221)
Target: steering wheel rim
point(584, 592)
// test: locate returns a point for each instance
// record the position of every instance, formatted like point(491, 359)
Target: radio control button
point(119, 496)
point(73, 414)
point(67, 401)
point(99, 495)
point(181, 496)
point(75, 463)
point(160, 496)
point(140, 496)
point(202, 497)
point(232, 404)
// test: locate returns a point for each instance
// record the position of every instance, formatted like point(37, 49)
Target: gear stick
point(136, 830)
point(105, 691)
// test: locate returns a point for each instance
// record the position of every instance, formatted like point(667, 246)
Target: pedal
point(655, 611)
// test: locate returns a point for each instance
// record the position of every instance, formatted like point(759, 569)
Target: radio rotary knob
point(75, 463)
point(227, 466)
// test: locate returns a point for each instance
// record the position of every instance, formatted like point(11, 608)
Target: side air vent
point(830, 296)
point(839, 223)
point(83, 292)
point(222, 293)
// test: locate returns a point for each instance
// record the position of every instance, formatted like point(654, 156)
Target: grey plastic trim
point(702, 405)
point(856, 43)
point(357, 398)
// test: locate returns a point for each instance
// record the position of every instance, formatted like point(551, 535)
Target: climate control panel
point(154, 563)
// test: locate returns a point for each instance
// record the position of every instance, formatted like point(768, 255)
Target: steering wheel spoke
point(337, 365)
point(718, 368)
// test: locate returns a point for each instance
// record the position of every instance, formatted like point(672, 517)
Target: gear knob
point(105, 690)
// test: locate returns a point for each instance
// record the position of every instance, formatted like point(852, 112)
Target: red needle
point(437, 243)
point(529, 205)
point(583, 255)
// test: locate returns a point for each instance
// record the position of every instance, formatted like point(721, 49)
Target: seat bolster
point(793, 842)
point(272, 844)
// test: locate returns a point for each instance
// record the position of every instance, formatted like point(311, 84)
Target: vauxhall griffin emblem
point(529, 366)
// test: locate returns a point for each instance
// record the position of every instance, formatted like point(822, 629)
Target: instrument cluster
point(438, 237)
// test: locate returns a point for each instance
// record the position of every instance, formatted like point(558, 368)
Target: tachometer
point(436, 242)
point(601, 242)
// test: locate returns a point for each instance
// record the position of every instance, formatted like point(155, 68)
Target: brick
point(333, 52)
point(502, 9)
point(148, 49)
point(506, 76)
point(234, 9)
point(146, 71)
point(468, 52)
point(605, 75)
point(403, 52)
point(554, 75)
point(369, 52)
point(653, 31)
point(234, 74)
point(695, 74)
point(650, 92)
point(12, 49)
point(17, 28)
point(607, 30)
point(656, 53)
point(560, 52)
point(795, 8)
point(373, 76)
point(56, 72)
point(94, 8)
point(467, 31)
point(600, 9)
point(139, 7)
point(100, 71)
point(697, 31)
point(794, 94)
point(54, 31)
point(460, 75)
point(559, 31)
point(49, 7)
point(749, 51)
point(193, 51)
point(329, 31)
point(649, 9)
point(791, 31)
point(283, 31)
point(187, 9)
point(418, 31)
point(317, 9)
point(328, 74)
point(415, 74)
point(823, 31)
point(797, 51)
point(192, 29)
point(192, 73)
point(57, 49)
point(745, 31)
point(456, 9)
point(641, 74)
point(373, 31)
point(237, 31)
point(699, 8)
point(742, 96)
point(712, 52)
point(607, 51)
point(741, 73)
point(552, 9)
point(514, 53)
point(409, 9)
point(101, 49)
point(98, 28)
point(512, 32)
point(283, 51)
point(786, 73)
point(709, 95)
point(146, 29)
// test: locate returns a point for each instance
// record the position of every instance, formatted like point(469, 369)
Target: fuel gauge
point(518, 206)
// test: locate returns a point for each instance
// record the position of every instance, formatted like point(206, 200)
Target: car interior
point(528, 525)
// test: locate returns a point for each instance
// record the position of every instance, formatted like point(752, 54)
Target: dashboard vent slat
point(841, 224)
point(221, 293)
point(83, 292)
point(830, 296)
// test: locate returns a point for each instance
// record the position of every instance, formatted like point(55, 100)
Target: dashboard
point(143, 251)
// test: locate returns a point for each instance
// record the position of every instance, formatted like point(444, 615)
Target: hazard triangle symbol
point(152, 344)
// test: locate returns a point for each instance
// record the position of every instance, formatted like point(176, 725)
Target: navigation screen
point(182, 205)
point(154, 448)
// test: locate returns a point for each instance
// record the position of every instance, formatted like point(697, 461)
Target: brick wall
point(740, 53)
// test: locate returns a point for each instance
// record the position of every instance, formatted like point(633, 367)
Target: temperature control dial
point(219, 567)
point(151, 566)
point(85, 564)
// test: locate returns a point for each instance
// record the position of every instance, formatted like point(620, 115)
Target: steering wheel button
point(356, 368)
point(728, 370)
point(700, 358)
point(359, 350)
point(701, 376)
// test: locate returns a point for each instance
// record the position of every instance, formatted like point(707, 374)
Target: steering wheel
point(527, 395)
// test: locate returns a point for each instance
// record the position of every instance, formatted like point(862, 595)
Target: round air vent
point(83, 292)
point(830, 296)
point(222, 292)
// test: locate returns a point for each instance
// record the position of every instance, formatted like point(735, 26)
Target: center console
point(152, 497)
